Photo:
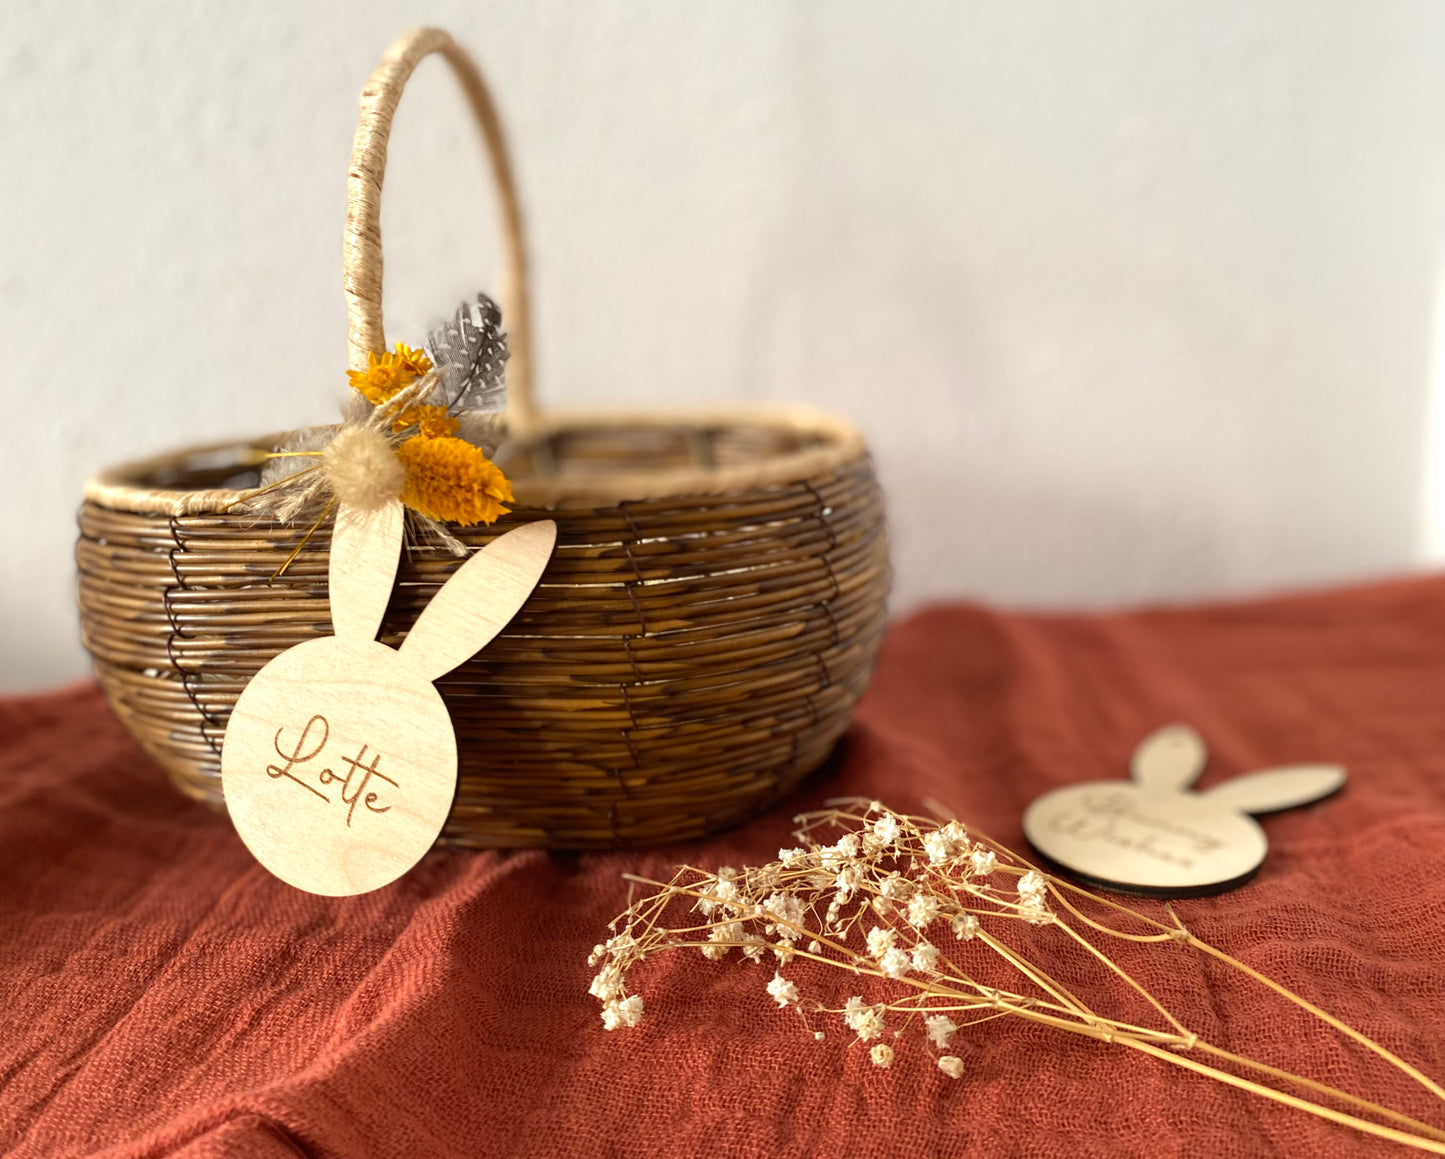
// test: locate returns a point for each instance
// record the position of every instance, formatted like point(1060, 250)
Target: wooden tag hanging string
point(362, 275)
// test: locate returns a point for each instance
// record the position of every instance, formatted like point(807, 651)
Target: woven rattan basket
point(695, 646)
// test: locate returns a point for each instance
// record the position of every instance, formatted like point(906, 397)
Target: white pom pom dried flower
point(881, 906)
point(895, 887)
point(627, 1012)
point(361, 466)
point(983, 861)
point(723, 889)
point(895, 963)
point(782, 991)
point(882, 1055)
point(607, 985)
point(951, 1065)
point(957, 835)
point(941, 1029)
point(925, 957)
point(1036, 915)
point(789, 907)
point(938, 847)
point(791, 857)
point(865, 1021)
point(886, 829)
point(965, 927)
point(1031, 888)
point(729, 932)
point(880, 941)
point(922, 910)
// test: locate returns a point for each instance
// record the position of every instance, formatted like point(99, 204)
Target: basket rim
point(117, 488)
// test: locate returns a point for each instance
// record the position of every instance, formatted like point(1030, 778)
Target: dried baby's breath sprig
point(937, 930)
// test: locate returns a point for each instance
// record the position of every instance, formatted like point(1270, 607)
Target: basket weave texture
point(693, 649)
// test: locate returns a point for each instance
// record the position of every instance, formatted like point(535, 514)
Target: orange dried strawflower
point(451, 480)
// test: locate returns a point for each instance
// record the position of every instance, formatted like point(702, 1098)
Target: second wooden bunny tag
point(340, 759)
point(1154, 835)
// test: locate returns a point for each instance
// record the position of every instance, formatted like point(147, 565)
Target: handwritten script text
point(353, 783)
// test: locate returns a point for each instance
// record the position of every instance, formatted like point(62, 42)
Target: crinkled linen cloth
point(161, 995)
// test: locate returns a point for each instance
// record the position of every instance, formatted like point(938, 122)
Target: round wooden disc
point(339, 766)
point(1120, 835)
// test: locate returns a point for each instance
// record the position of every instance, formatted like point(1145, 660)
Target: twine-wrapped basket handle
point(363, 262)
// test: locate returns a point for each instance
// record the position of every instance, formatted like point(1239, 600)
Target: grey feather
point(470, 353)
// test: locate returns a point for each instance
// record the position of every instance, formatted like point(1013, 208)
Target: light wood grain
point(1170, 759)
point(303, 819)
point(478, 601)
point(1271, 790)
point(1154, 835)
point(365, 548)
point(340, 762)
point(1117, 834)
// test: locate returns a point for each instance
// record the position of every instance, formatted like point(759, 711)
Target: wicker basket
point(694, 649)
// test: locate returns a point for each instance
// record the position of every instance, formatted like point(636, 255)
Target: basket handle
point(362, 260)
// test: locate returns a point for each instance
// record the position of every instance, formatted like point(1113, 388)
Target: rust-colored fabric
point(163, 996)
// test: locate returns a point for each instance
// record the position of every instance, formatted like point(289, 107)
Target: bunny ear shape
point(365, 549)
point(1169, 760)
point(1271, 790)
point(479, 599)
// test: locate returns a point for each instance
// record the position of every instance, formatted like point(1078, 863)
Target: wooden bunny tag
point(340, 760)
point(1154, 835)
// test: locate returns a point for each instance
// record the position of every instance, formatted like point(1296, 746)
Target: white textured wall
point(1135, 300)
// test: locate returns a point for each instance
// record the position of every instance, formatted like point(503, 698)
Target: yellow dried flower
point(378, 382)
point(386, 373)
point(432, 422)
point(413, 361)
point(451, 480)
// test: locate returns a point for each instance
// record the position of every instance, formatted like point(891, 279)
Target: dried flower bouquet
point(930, 914)
point(415, 430)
